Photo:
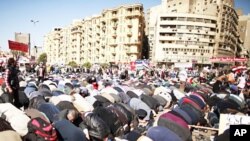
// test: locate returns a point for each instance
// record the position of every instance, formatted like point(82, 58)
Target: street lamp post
point(34, 23)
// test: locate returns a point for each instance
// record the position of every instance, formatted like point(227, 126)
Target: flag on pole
point(18, 46)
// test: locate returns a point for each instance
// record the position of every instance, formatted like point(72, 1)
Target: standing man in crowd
point(41, 73)
point(12, 82)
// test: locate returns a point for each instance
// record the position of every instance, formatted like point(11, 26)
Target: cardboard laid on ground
point(227, 119)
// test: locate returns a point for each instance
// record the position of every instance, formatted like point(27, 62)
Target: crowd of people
point(117, 104)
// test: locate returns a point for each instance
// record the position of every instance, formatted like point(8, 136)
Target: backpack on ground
point(43, 130)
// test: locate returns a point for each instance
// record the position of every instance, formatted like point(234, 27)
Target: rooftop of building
point(124, 6)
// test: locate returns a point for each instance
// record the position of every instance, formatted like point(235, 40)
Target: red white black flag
point(18, 46)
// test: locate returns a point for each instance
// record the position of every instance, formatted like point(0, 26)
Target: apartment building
point(185, 37)
point(193, 31)
point(24, 38)
point(244, 30)
point(115, 35)
point(52, 45)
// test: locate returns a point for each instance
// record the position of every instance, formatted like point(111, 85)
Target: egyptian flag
point(18, 46)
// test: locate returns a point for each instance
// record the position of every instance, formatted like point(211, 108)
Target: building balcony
point(114, 26)
point(129, 52)
point(114, 35)
point(166, 38)
point(135, 42)
point(113, 52)
point(205, 40)
point(104, 28)
point(113, 44)
point(103, 46)
point(129, 34)
point(226, 50)
point(114, 18)
point(130, 24)
point(188, 23)
point(133, 14)
point(211, 33)
point(76, 31)
point(56, 37)
point(167, 30)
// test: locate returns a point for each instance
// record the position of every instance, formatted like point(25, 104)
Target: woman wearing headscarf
point(160, 133)
point(96, 128)
point(68, 132)
point(17, 118)
point(9, 135)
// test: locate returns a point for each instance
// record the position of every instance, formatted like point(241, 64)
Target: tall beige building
point(23, 38)
point(193, 30)
point(113, 36)
point(244, 30)
point(52, 45)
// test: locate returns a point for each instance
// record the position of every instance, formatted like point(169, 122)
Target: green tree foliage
point(87, 65)
point(73, 64)
point(104, 65)
point(42, 58)
point(17, 54)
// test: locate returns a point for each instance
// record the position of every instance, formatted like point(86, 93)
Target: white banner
point(226, 120)
point(183, 65)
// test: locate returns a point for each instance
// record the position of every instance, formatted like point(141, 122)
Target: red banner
point(227, 59)
point(18, 46)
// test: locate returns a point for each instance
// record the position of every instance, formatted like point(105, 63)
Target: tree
point(17, 54)
point(73, 64)
point(42, 58)
point(104, 65)
point(87, 65)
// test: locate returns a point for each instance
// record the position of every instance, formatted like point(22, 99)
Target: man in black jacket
point(12, 82)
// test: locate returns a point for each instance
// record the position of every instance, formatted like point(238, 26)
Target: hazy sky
point(16, 15)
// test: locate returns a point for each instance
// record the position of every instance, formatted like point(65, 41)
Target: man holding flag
point(11, 73)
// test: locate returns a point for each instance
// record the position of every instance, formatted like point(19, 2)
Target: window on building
point(181, 19)
point(199, 20)
point(190, 27)
point(174, 10)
